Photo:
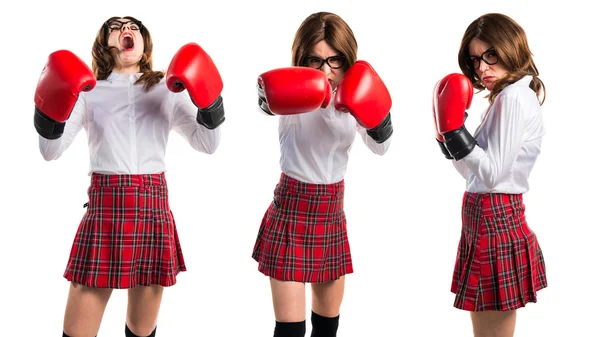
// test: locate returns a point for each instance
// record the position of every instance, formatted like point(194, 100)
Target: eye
point(491, 57)
point(471, 62)
point(134, 27)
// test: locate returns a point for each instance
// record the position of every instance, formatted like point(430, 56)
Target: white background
point(403, 209)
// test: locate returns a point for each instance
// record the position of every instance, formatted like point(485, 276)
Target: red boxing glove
point(63, 78)
point(452, 96)
point(293, 90)
point(362, 93)
point(192, 68)
point(438, 136)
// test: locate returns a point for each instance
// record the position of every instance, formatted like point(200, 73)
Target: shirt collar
point(123, 77)
point(524, 81)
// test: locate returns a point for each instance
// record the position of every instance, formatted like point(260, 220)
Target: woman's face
point(125, 36)
point(486, 63)
point(328, 60)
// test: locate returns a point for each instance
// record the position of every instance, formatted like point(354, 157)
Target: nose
point(326, 69)
point(482, 66)
point(125, 27)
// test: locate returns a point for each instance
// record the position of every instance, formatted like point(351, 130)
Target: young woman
point(303, 238)
point(127, 239)
point(499, 266)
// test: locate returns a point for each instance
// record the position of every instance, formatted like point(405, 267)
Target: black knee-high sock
point(290, 329)
point(128, 332)
point(324, 326)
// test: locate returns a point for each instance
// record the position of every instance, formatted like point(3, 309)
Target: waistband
point(493, 203)
point(296, 186)
point(121, 180)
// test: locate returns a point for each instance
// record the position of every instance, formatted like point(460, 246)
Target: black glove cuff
point(383, 131)
point(213, 115)
point(459, 143)
point(262, 101)
point(46, 127)
point(444, 149)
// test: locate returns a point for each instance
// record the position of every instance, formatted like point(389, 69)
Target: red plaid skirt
point(303, 235)
point(499, 265)
point(128, 236)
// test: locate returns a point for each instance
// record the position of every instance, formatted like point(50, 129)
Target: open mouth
point(127, 42)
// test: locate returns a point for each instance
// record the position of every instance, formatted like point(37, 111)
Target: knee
point(326, 311)
point(139, 330)
point(326, 308)
point(65, 335)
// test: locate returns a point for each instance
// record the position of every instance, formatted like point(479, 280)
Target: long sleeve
point(376, 148)
point(504, 141)
point(461, 167)
point(52, 149)
point(184, 122)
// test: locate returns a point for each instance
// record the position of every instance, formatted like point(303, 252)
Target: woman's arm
point(377, 148)
point(52, 149)
point(504, 141)
point(461, 167)
point(197, 135)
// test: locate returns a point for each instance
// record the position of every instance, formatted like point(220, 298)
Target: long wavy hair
point(509, 40)
point(103, 62)
point(328, 27)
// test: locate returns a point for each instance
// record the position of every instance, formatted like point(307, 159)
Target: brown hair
point(103, 61)
point(510, 42)
point(324, 26)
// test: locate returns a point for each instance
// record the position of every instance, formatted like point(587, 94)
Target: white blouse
point(509, 142)
point(128, 128)
point(315, 145)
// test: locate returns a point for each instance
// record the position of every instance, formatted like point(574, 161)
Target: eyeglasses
point(490, 57)
point(334, 62)
point(117, 25)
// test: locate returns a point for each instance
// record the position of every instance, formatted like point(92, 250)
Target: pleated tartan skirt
point(499, 264)
point(303, 236)
point(128, 236)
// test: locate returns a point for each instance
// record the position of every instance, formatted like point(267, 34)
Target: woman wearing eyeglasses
point(303, 237)
point(499, 265)
point(127, 239)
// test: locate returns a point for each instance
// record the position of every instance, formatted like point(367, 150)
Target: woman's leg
point(326, 303)
point(494, 323)
point(289, 304)
point(84, 311)
point(143, 304)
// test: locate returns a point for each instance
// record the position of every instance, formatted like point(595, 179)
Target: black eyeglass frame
point(323, 61)
point(471, 59)
point(121, 24)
